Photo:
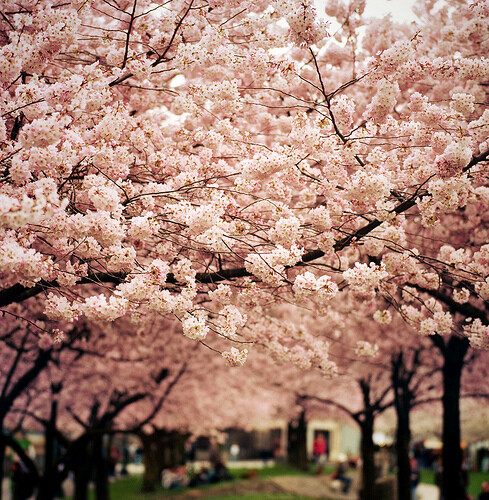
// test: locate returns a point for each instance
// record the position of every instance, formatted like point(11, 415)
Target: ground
point(284, 487)
point(288, 487)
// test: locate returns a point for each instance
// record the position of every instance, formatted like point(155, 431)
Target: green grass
point(129, 488)
point(427, 476)
point(273, 471)
point(475, 480)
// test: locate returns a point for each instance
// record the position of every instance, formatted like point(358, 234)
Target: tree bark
point(151, 475)
point(402, 401)
point(297, 448)
point(9, 395)
point(101, 470)
point(367, 452)
point(2, 460)
point(48, 482)
point(81, 466)
point(452, 480)
point(11, 442)
point(161, 449)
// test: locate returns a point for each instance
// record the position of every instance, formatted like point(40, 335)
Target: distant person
point(219, 472)
point(234, 451)
point(125, 461)
point(340, 475)
point(22, 482)
point(484, 494)
point(113, 460)
point(175, 477)
point(439, 478)
point(414, 477)
point(319, 449)
point(138, 455)
point(465, 477)
point(190, 450)
point(277, 449)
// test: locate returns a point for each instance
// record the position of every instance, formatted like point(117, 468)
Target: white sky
point(400, 9)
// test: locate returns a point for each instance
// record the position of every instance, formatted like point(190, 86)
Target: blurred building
point(270, 441)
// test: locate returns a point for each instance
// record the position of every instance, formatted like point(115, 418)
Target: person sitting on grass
point(340, 475)
point(174, 477)
point(484, 494)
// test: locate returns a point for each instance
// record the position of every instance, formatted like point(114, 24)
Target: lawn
point(129, 488)
point(277, 470)
point(476, 479)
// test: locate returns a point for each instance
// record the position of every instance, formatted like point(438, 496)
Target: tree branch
point(18, 293)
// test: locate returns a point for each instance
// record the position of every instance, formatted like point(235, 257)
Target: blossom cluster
point(363, 278)
point(322, 288)
point(366, 349)
point(270, 267)
point(429, 319)
point(478, 334)
point(305, 28)
point(235, 357)
point(195, 328)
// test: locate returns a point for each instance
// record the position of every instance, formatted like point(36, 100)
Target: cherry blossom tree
point(27, 351)
point(152, 383)
point(208, 159)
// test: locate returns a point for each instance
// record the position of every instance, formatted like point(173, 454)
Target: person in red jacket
point(319, 451)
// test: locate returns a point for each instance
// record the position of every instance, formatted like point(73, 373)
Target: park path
point(309, 486)
point(313, 487)
point(320, 487)
point(428, 492)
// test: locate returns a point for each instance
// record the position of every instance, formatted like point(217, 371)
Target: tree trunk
point(452, 480)
point(82, 469)
point(2, 461)
point(11, 395)
point(402, 401)
point(101, 470)
point(48, 483)
point(161, 449)
point(151, 475)
point(367, 452)
point(297, 447)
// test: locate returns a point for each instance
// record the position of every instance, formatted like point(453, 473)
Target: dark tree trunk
point(2, 460)
point(452, 479)
point(48, 483)
point(7, 440)
point(367, 450)
point(82, 470)
point(161, 449)
point(101, 469)
point(10, 394)
point(151, 458)
point(402, 401)
point(297, 446)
